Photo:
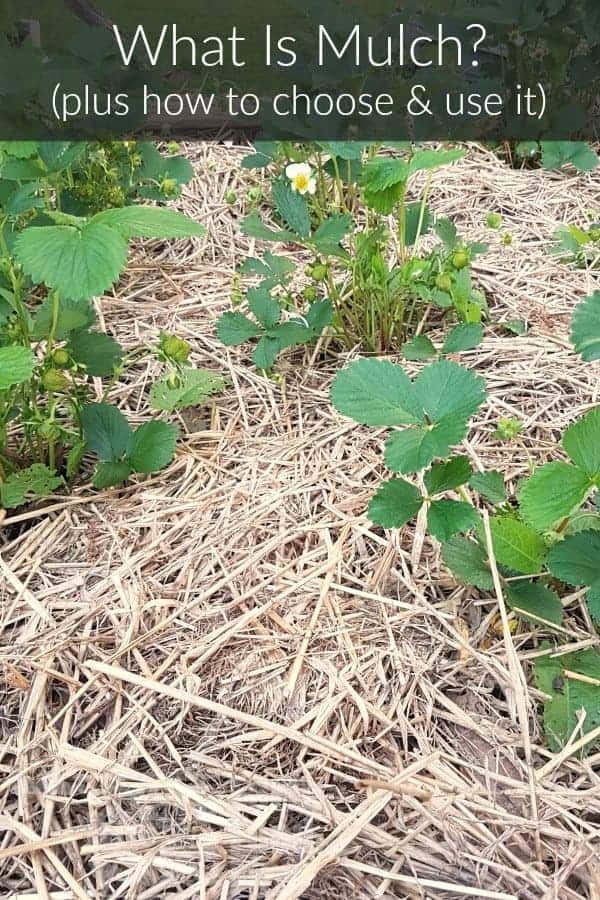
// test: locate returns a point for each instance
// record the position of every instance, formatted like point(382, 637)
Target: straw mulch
point(224, 682)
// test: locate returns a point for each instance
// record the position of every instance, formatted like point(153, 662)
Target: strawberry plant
point(554, 155)
point(349, 208)
point(545, 538)
point(53, 262)
point(579, 246)
point(585, 328)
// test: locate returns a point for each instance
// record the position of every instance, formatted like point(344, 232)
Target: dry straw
point(225, 683)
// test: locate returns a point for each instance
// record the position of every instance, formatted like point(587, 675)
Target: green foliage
point(517, 546)
point(67, 213)
point(16, 366)
point(376, 302)
point(556, 154)
point(436, 406)
point(569, 696)
point(27, 484)
point(585, 328)
point(468, 560)
point(121, 450)
point(534, 602)
point(489, 485)
point(187, 387)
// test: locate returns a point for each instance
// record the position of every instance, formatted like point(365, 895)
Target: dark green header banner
point(305, 69)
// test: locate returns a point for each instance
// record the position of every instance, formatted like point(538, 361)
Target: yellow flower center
point(301, 182)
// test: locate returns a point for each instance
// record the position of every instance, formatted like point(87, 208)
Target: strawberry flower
point(300, 175)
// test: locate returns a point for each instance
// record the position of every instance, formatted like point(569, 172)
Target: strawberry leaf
point(395, 503)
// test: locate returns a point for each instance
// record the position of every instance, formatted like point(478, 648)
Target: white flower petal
point(312, 186)
point(296, 169)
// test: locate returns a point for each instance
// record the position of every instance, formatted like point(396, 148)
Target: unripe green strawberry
point(319, 272)
point(594, 233)
point(444, 282)
point(460, 259)
point(61, 359)
point(168, 187)
point(54, 380)
point(174, 348)
point(310, 293)
point(230, 197)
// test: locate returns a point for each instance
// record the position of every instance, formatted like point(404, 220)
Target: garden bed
point(226, 682)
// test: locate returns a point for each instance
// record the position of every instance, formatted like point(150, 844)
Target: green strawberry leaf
point(395, 503)
point(447, 232)
point(253, 226)
point(576, 559)
point(446, 476)
point(291, 333)
point(110, 474)
point(319, 315)
point(264, 155)
point(449, 517)
point(582, 442)
point(585, 328)
point(149, 222)
point(28, 484)
point(73, 315)
point(413, 219)
point(235, 328)
point(152, 446)
point(552, 493)
point(193, 387)
point(419, 349)
point(592, 599)
point(516, 545)
point(425, 160)
point(448, 391)
point(568, 697)
point(79, 263)
point(465, 336)
point(264, 307)
point(534, 602)
point(490, 485)
point(266, 351)
point(468, 561)
point(97, 351)
point(556, 154)
point(106, 431)
point(291, 206)
point(330, 233)
point(16, 366)
point(376, 392)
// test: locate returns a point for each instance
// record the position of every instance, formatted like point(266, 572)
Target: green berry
point(493, 220)
point(255, 194)
point(310, 293)
point(507, 239)
point(319, 272)
point(61, 359)
point(594, 233)
point(444, 282)
point(168, 187)
point(460, 259)
point(174, 348)
point(54, 380)
point(230, 197)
